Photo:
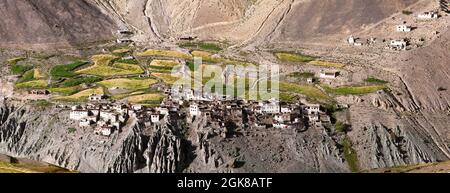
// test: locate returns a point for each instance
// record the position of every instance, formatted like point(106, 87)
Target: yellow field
point(33, 84)
point(145, 98)
point(165, 53)
point(166, 78)
point(327, 64)
point(104, 66)
point(122, 96)
point(164, 63)
point(80, 96)
point(38, 74)
point(129, 84)
point(121, 51)
point(30, 167)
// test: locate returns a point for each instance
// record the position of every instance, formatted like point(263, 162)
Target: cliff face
point(43, 134)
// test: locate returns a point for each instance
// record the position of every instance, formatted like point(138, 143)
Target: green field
point(80, 80)
point(66, 70)
point(353, 90)
point(18, 69)
point(64, 91)
point(294, 57)
point(207, 46)
point(310, 92)
point(32, 79)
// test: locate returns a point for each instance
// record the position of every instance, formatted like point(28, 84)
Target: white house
point(403, 28)
point(312, 108)
point(154, 118)
point(282, 118)
point(428, 15)
point(328, 74)
point(164, 111)
point(270, 107)
point(398, 44)
point(78, 115)
point(280, 126)
point(351, 40)
point(108, 116)
point(85, 123)
point(105, 131)
point(194, 110)
point(96, 97)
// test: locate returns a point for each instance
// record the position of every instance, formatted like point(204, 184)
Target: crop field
point(165, 53)
point(353, 90)
point(29, 168)
point(32, 79)
point(207, 46)
point(80, 96)
point(64, 91)
point(34, 84)
point(150, 98)
point(311, 92)
point(66, 70)
point(129, 84)
point(105, 66)
point(294, 57)
point(166, 78)
point(327, 64)
point(163, 66)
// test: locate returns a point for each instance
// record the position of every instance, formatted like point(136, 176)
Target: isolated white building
point(428, 15)
point(403, 28)
point(328, 74)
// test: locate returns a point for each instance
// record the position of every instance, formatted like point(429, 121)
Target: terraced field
point(105, 66)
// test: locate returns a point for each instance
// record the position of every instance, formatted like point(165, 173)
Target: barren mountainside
point(52, 22)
